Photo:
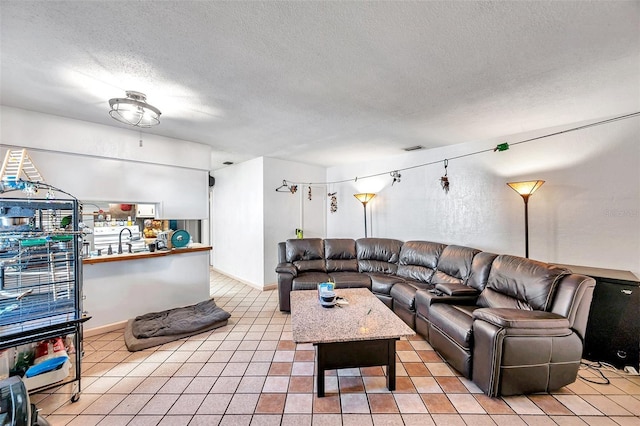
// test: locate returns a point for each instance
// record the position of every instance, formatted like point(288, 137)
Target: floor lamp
point(364, 198)
point(526, 189)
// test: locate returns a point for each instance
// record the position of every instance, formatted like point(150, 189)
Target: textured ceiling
point(326, 82)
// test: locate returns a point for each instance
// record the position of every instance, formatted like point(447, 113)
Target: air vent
point(414, 148)
point(228, 163)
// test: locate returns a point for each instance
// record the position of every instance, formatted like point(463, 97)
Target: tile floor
point(251, 373)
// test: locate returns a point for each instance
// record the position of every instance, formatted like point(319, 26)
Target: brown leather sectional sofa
point(510, 324)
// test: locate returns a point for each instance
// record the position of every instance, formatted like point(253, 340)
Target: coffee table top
point(364, 318)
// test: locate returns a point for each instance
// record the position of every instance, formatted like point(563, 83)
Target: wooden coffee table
point(360, 334)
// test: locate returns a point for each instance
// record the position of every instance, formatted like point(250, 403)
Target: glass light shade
point(364, 197)
point(526, 188)
point(134, 110)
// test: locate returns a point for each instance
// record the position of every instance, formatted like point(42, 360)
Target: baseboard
point(271, 286)
point(116, 326)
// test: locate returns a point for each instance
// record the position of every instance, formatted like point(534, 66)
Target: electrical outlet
point(630, 370)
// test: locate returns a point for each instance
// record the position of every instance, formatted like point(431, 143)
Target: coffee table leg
point(391, 365)
point(320, 378)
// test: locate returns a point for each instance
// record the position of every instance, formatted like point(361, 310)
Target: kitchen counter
point(144, 254)
point(119, 287)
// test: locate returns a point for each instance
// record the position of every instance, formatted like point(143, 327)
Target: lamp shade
point(526, 188)
point(364, 197)
point(134, 110)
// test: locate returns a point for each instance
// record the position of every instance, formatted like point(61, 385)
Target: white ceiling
point(326, 83)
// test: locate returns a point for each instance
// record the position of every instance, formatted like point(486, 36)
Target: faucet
point(120, 239)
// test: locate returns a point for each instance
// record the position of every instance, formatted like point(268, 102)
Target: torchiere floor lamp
point(526, 189)
point(364, 198)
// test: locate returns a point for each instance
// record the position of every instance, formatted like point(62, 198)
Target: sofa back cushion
point(454, 265)
point(419, 259)
point(340, 255)
point(306, 254)
point(480, 268)
point(516, 282)
point(378, 255)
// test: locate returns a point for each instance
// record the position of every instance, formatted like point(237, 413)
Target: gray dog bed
point(158, 328)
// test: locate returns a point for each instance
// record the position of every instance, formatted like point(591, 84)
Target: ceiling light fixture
point(134, 110)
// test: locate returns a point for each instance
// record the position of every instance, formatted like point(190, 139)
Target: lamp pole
point(525, 197)
point(526, 189)
point(364, 198)
point(364, 206)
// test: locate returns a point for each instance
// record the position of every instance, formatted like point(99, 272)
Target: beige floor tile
point(243, 403)
point(465, 404)
point(354, 403)
point(628, 402)
point(426, 385)
point(357, 420)
point(132, 404)
point(410, 403)
point(104, 404)
point(414, 420)
point(447, 420)
point(478, 419)
point(523, 405)
point(101, 385)
point(186, 404)
point(115, 420)
point(578, 405)
point(298, 403)
point(159, 404)
point(214, 404)
point(276, 384)
point(151, 385)
point(175, 385)
point(226, 385)
point(568, 420)
point(251, 384)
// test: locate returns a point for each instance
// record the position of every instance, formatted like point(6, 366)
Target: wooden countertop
point(144, 254)
point(601, 272)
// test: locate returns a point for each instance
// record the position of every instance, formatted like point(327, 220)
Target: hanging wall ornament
point(334, 202)
point(444, 180)
point(396, 177)
point(309, 194)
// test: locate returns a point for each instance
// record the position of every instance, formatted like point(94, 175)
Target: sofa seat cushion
point(455, 321)
point(405, 292)
point(382, 283)
point(309, 280)
point(350, 280)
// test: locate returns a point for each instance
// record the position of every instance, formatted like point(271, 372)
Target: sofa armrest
point(521, 319)
point(287, 268)
point(425, 298)
point(456, 289)
point(286, 273)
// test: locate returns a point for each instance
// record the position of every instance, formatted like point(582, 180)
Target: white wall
point(250, 218)
point(97, 162)
point(238, 221)
point(282, 210)
point(587, 212)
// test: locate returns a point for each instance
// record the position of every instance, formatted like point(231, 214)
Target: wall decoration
point(334, 202)
point(444, 180)
point(396, 177)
